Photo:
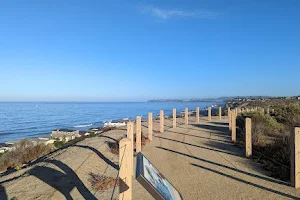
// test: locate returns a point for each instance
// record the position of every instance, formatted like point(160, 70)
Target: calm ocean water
point(26, 120)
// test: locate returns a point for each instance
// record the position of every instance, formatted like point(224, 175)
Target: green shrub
point(58, 144)
point(71, 142)
point(289, 115)
point(263, 125)
point(92, 134)
point(270, 140)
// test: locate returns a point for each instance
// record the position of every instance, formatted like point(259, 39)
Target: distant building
point(5, 147)
point(65, 134)
point(114, 123)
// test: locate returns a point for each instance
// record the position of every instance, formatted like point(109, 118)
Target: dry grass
point(23, 152)
point(114, 147)
point(271, 137)
point(101, 182)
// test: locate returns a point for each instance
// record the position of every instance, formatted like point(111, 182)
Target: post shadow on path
point(220, 123)
point(229, 147)
point(247, 182)
point(108, 161)
point(221, 130)
point(198, 146)
point(3, 195)
point(62, 182)
point(197, 136)
point(227, 167)
point(219, 134)
point(38, 160)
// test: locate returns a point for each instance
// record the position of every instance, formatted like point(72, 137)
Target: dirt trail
point(201, 162)
point(198, 159)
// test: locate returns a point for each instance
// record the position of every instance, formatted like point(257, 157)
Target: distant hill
point(219, 99)
point(191, 100)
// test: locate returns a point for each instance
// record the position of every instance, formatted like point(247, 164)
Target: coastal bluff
point(198, 158)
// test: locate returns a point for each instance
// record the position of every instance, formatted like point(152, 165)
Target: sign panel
point(153, 181)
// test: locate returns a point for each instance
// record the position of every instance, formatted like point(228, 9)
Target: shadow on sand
point(247, 182)
point(108, 161)
point(201, 147)
point(197, 136)
point(220, 123)
point(3, 195)
point(63, 182)
point(222, 130)
point(227, 167)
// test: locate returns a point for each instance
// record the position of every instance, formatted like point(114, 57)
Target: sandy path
point(65, 174)
point(198, 159)
point(201, 163)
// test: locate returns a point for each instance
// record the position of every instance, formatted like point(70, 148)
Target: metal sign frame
point(164, 184)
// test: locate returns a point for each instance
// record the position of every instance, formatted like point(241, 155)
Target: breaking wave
point(84, 125)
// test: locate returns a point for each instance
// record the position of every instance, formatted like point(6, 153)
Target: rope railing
point(118, 174)
point(243, 132)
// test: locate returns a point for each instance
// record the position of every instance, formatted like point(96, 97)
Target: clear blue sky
point(54, 50)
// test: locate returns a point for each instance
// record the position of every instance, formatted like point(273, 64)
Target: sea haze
point(27, 120)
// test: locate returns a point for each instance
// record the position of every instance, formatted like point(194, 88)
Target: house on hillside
point(65, 134)
point(5, 147)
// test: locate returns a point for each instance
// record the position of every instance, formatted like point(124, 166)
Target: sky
point(53, 50)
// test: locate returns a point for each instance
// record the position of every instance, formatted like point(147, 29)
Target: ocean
point(30, 120)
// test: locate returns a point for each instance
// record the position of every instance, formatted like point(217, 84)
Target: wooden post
point(130, 127)
point(295, 159)
point(233, 127)
point(220, 113)
point(186, 116)
point(126, 169)
point(248, 137)
point(138, 140)
point(263, 111)
point(230, 117)
point(150, 126)
point(209, 114)
point(161, 120)
point(197, 114)
point(268, 111)
point(174, 117)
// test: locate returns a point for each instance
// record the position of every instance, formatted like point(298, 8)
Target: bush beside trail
point(271, 137)
point(23, 152)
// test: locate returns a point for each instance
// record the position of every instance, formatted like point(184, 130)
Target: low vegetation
point(24, 152)
point(271, 137)
point(101, 182)
point(114, 147)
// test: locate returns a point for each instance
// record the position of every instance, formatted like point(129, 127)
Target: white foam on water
point(84, 125)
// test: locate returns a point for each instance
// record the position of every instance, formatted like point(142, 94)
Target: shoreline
point(86, 128)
